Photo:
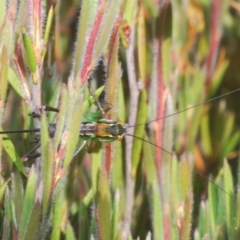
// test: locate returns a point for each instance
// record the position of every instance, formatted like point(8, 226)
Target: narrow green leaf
point(166, 42)
point(28, 204)
point(70, 233)
point(157, 212)
point(110, 15)
point(113, 75)
point(47, 29)
point(233, 141)
point(228, 187)
point(84, 221)
point(103, 204)
point(154, 191)
point(7, 222)
point(121, 103)
point(96, 166)
point(152, 7)
point(175, 184)
point(12, 153)
point(69, 141)
point(51, 90)
point(185, 177)
point(167, 135)
point(17, 193)
point(142, 45)
point(3, 188)
point(206, 135)
point(61, 117)
point(238, 210)
point(3, 75)
point(14, 219)
point(20, 16)
point(34, 222)
point(87, 16)
point(88, 198)
point(47, 164)
point(148, 163)
point(129, 11)
point(238, 195)
point(187, 222)
point(93, 229)
point(117, 166)
point(7, 29)
point(221, 213)
point(74, 130)
point(58, 212)
point(202, 219)
point(218, 76)
point(3, 11)
point(29, 50)
point(15, 83)
point(139, 131)
point(212, 205)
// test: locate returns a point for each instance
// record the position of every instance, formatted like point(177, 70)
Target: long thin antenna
point(148, 142)
point(217, 186)
point(20, 131)
point(197, 105)
point(208, 179)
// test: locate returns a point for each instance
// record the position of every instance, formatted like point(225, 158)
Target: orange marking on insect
point(120, 138)
point(101, 130)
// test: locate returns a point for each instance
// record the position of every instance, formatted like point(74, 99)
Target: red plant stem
point(112, 85)
point(108, 157)
point(21, 70)
point(117, 24)
point(161, 102)
point(162, 92)
point(37, 11)
point(87, 64)
point(214, 41)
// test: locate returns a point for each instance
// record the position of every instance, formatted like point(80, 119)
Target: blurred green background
point(162, 63)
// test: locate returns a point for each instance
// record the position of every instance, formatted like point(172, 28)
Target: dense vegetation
point(154, 58)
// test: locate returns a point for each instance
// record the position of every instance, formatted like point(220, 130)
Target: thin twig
point(134, 95)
